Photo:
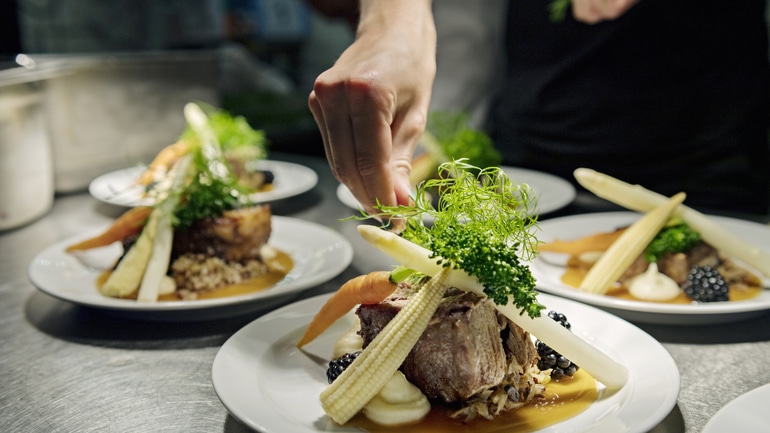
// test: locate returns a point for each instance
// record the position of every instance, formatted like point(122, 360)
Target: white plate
point(548, 271)
point(746, 413)
point(268, 384)
point(120, 187)
point(553, 192)
point(319, 254)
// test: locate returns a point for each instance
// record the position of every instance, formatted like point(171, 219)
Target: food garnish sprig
point(483, 224)
point(481, 235)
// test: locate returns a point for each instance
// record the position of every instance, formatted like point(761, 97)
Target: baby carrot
point(131, 222)
point(163, 161)
point(371, 288)
point(595, 242)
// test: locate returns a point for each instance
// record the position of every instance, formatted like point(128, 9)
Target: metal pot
point(26, 170)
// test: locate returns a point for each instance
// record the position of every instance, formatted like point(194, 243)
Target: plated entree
point(670, 261)
point(204, 237)
point(449, 334)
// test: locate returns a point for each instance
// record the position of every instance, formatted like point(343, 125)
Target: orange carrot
point(131, 222)
point(594, 242)
point(364, 289)
point(167, 157)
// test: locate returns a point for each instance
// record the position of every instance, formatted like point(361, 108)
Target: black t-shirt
point(673, 95)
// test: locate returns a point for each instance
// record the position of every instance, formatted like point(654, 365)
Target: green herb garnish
point(676, 237)
point(483, 224)
point(212, 188)
point(557, 9)
point(233, 134)
point(448, 136)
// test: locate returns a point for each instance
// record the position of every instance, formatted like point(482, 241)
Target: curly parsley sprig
point(483, 224)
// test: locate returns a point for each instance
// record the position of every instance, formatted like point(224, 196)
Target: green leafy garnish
point(212, 188)
point(448, 136)
point(233, 134)
point(676, 237)
point(483, 224)
point(206, 198)
point(557, 9)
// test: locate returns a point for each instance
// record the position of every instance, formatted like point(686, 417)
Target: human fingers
point(594, 11)
point(317, 112)
point(354, 111)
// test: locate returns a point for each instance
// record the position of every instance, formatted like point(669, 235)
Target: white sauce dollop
point(652, 285)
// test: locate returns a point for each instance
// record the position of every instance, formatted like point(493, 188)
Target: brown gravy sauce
point(262, 282)
point(562, 400)
point(573, 276)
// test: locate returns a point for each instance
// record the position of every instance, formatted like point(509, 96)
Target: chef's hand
point(593, 11)
point(371, 106)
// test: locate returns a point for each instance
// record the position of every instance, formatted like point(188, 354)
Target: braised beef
point(467, 348)
point(236, 235)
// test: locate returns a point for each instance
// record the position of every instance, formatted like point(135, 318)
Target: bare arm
point(372, 105)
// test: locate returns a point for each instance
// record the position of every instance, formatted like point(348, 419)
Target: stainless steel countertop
point(65, 368)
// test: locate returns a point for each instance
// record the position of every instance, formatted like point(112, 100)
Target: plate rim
point(564, 199)
point(635, 391)
point(309, 179)
point(726, 411)
point(343, 252)
point(729, 308)
point(568, 194)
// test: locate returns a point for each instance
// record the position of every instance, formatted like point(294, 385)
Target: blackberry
point(561, 318)
point(269, 176)
point(337, 366)
point(706, 284)
point(560, 366)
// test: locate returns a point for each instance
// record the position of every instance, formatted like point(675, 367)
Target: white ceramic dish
point(746, 413)
point(120, 187)
point(553, 192)
point(319, 254)
point(548, 269)
point(271, 386)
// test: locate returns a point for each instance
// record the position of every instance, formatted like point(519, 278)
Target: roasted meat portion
point(236, 235)
point(678, 265)
point(470, 354)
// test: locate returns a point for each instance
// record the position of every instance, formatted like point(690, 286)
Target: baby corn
point(372, 369)
point(627, 247)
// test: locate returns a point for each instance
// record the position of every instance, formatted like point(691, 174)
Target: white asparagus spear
point(640, 199)
point(628, 247)
point(603, 368)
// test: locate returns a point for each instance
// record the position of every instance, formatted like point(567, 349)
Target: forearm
point(410, 15)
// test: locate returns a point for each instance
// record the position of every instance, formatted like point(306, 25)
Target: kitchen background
point(100, 85)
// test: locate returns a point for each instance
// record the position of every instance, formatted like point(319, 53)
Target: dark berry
point(269, 176)
point(705, 284)
point(560, 366)
point(337, 366)
point(561, 318)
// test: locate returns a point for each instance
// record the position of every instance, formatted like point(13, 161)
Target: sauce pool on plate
point(562, 400)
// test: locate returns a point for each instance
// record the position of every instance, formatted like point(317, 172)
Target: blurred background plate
point(319, 254)
point(548, 268)
point(120, 187)
point(746, 413)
